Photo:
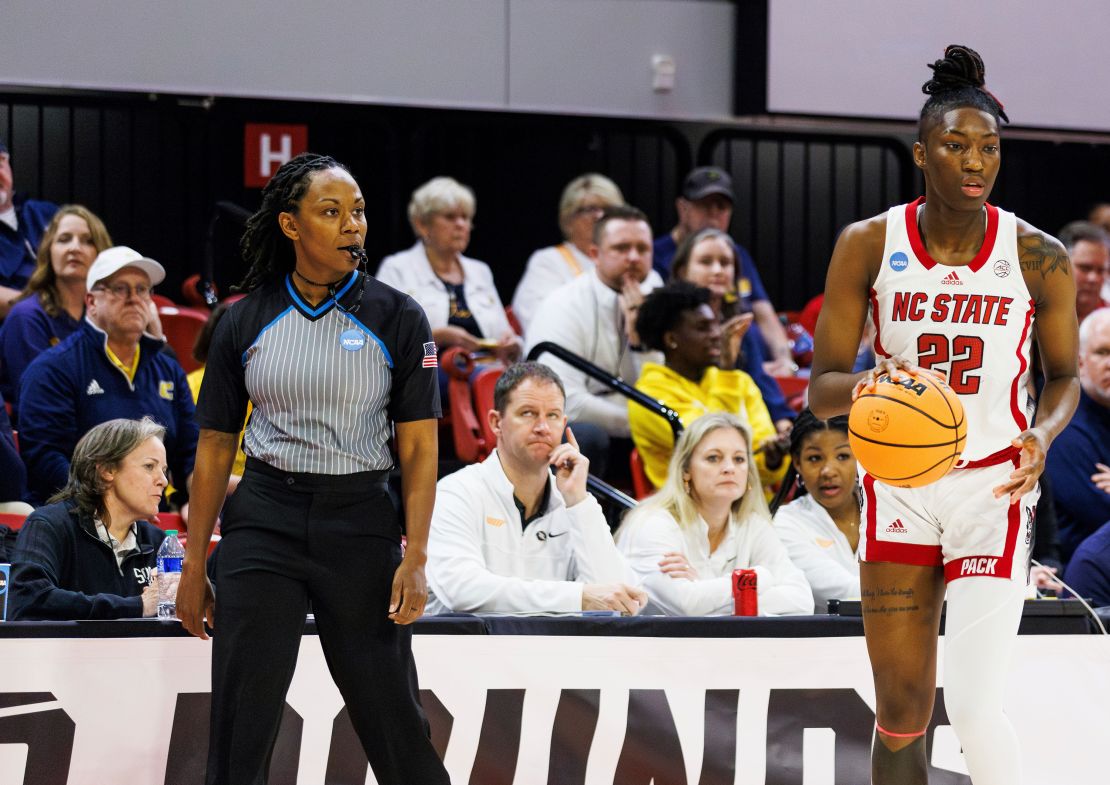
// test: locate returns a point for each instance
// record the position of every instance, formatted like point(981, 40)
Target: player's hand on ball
point(897, 368)
point(1030, 466)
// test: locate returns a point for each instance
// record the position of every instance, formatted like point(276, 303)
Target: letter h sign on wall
point(266, 147)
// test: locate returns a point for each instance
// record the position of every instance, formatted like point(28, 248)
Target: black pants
point(334, 540)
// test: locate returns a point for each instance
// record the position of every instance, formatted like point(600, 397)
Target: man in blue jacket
point(22, 222)
point(109, 368)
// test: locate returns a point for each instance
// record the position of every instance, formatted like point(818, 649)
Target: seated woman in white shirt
point(581, 204)
point(457, 293)
point(820, 528)
point(709, 519)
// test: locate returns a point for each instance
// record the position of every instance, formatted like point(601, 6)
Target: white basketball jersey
point(974, 322)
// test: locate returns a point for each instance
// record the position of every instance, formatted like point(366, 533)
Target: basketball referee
point(333, 362)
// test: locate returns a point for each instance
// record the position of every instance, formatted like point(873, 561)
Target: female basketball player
point(951, 284)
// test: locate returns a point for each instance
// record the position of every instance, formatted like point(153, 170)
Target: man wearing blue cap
point(22, 222)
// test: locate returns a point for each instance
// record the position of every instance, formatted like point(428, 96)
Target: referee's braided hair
point(661, 310)
point(806, 425)
point(267, 251)
point(959, 80)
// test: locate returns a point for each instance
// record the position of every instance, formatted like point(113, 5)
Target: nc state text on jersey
point(955, 308)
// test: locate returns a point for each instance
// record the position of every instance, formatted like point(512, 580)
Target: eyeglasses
point(123, 291)
point(594, 210)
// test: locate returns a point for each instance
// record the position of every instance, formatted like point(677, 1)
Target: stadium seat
point(470, 397)
point(13, 520)
point(162, 301)
point(181, 327)
point(170, 520)
point(641, 485)
point(794, 390)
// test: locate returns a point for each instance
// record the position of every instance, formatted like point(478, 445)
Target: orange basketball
point(908, 433)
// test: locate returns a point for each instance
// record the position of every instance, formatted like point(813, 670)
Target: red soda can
point(745, 600)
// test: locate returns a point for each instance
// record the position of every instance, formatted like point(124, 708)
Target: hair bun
point(961, 67)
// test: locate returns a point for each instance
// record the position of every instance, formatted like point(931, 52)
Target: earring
point(801, 482)
point(686, 485)
point(673, 344)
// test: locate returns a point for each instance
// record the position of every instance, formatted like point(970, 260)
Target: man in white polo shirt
point(518, 533)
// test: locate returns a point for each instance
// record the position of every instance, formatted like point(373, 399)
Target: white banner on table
point(533, 710)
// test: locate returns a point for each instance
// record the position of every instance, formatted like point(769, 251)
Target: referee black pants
point(335, 540)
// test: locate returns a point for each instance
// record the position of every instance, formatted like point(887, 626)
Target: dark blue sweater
point(1081, 507)
point(61, 569)
point(74, 386)
point(18, 249)
point(1089, 569)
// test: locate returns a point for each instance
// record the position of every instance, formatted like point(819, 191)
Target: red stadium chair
point(162, 301)
point(641, 485)
point(513, 321)
point(181, 327)
point(13, 520)
point(234, 298)
point(170, 520)
point(794, 390)
point(191, 293)
point(468, 404)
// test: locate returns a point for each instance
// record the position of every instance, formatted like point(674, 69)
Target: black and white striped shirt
point(326, 384)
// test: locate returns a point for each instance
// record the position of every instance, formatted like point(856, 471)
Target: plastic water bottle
point(170, 555)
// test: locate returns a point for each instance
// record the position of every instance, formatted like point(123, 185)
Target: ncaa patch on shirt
point(899, 261)
point(352, 340)
point(430, 358)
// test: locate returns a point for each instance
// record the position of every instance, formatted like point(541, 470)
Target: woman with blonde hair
point(50, 308)
point(709, 519)
point(582, 202)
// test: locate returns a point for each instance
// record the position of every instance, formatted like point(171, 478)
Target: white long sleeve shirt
point(781, 587)
point(546, 271)
point(411, 272)
point(820, 550)
point(481, 559)
point(584, 316)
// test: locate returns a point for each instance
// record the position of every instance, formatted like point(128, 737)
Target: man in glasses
point(109, 368)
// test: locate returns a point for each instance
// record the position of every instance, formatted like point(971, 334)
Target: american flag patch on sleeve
point(430, 359)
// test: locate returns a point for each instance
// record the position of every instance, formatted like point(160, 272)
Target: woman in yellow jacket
point(678, 321)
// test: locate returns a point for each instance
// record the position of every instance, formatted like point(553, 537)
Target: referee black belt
point(355, 481)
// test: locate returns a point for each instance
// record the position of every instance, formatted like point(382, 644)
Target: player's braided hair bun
point(959, 80)
point(961, 67)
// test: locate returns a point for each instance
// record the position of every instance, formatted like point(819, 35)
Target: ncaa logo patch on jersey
point(165, 390)
point(352, 340)
point(899, 261)
point(1001, 268)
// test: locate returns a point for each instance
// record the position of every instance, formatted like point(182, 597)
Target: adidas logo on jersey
point(897, 527)
point(951, 280)
point(94, 388)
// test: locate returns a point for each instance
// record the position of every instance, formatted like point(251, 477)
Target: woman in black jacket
point(91, 553)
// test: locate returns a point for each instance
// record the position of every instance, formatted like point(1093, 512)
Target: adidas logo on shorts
point(897, 527)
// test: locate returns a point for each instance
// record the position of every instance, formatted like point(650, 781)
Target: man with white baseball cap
point(111, 367)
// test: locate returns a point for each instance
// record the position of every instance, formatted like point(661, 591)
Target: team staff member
point(518, 532)
point(967, 533)
point(332, 360)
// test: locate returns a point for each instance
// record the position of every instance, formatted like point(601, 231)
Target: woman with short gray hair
point(457, 293)
point(91, 551)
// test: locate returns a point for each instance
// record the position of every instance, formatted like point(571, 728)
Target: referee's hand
point(195, 599)
point(410, 592)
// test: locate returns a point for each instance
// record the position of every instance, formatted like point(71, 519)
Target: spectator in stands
point(1089, 250)
point(709, 519)
point(820, 527)
point(91, 552)
point(50, 309)
point(196, 378)
point(708, 258)
point(13, 475)
point(518, 533)
point(706, 202)
point(594, 316)
point(1089, 569)
point(581, 204)
point(1100, 217)
point(456, 292)
point(697, 376)
point(1077, 466)
point(109, 368)
point(22, 221)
